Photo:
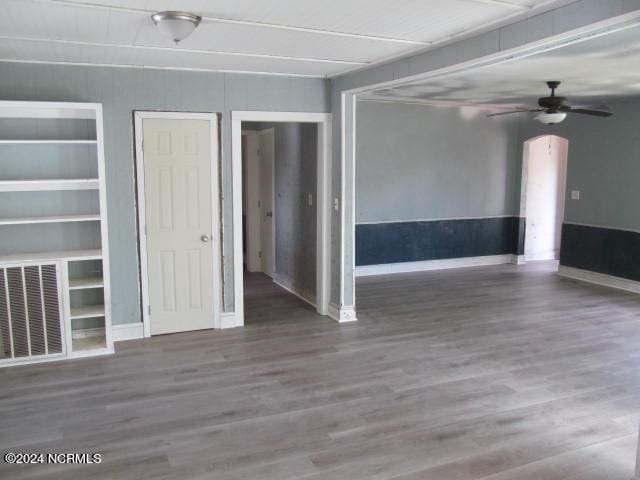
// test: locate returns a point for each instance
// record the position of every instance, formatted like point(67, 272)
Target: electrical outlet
point(575, 194)
point(336, 204)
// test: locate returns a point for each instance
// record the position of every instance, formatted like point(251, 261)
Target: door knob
point(204, 238)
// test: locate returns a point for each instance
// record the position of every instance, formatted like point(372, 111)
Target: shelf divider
point(85, 283)
point(52, 219)
point(87, 312)
point(49, 185)
point(35, 142)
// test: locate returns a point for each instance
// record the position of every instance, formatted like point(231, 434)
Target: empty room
point(320, 240)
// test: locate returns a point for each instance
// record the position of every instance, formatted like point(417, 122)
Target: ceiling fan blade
point(589, 111)
point(524, 110)
point(591, 106)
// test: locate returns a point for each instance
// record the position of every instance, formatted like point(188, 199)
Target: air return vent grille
point(30, 324)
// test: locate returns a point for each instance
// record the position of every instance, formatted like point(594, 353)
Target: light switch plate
point(575, 194)
point(310, 199)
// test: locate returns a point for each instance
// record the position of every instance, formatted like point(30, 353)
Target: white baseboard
point(427, 265)
point(536, 257)
point(228, 320)
point(127, 331)
point(518, 259)
point(342, 315)
point(302, 294)
point(599, 279)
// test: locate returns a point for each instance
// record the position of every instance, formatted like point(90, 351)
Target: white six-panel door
point(180, 241)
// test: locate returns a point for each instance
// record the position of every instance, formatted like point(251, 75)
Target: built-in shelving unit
point(57, 256)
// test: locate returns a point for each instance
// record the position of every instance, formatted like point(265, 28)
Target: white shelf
point(54, 219)
point(87, 312)
point(85, 283)
point(49, 185)
point(86, 344)
point(27, 109)
point(35, 142)
point(69, 255)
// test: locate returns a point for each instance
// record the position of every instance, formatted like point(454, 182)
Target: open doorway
point(544, 175)
point(283, 164)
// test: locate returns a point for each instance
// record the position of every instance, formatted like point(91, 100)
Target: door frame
point(323, 197)
point(213, 119)
point(524, 179)
point(266, 131)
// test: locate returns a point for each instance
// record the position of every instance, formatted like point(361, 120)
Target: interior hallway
point(267, 304)
point(488, 373)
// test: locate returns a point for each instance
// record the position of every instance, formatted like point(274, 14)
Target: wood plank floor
point(489, 373)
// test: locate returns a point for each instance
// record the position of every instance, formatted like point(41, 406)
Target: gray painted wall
point(604, 164)
point(122, 90)
point(417, 162)
point(295, 178)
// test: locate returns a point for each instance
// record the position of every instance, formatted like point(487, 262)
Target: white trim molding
point(127, 331)
point(518, 259)
point(343, 314)
point(228, 320)
point(427, 265)
point(323, 253)
point(599, 279)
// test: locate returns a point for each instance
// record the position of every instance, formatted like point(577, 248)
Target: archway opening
point(544, 174)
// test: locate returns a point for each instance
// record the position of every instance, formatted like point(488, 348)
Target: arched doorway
point(544, 175)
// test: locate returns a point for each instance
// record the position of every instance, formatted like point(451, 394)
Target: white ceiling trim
point(182, 50)
point(205, 18)
point(158, 67)
point(504, 3)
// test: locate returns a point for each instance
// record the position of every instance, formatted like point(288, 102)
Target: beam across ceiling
point(504, 3)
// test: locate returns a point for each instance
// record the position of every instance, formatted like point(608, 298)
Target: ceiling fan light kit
point(176, 25)
point(554, 109)
point(551, 118)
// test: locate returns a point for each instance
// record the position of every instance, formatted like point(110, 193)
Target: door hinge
point(149, 309)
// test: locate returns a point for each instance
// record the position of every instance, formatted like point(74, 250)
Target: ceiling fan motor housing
point(553, 103)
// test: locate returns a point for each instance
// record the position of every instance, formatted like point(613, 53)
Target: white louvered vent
point(30, 322)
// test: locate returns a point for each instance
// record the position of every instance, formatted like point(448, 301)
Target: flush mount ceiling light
point(176, 25)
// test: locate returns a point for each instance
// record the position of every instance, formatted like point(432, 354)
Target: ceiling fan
point(554, 109)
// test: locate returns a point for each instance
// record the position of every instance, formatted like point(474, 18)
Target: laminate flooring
point(493, 373)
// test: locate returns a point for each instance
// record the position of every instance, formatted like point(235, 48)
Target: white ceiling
point(295, 37)
point(603, 67)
